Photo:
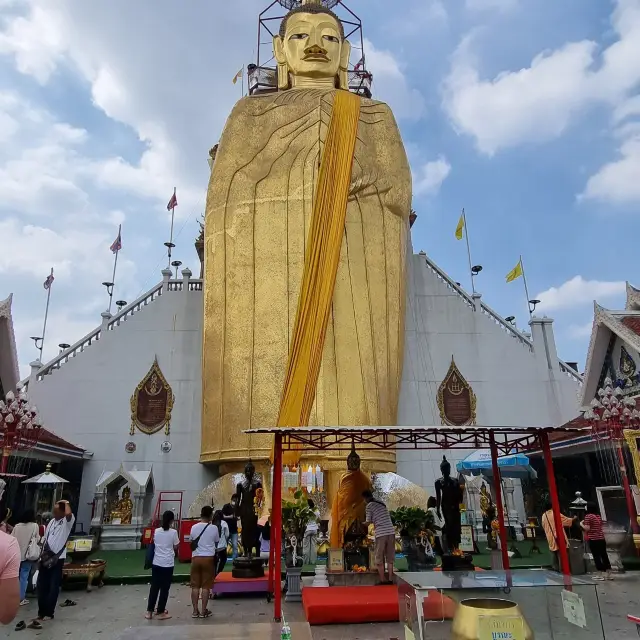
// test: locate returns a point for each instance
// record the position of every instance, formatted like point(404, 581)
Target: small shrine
point(123, 503)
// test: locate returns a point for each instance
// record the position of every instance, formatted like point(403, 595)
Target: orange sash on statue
point(348, 505)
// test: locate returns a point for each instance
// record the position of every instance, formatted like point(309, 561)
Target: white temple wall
point(514, 385)
point(87, 400)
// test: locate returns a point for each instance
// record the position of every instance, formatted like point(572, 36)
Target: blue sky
point(525, 112)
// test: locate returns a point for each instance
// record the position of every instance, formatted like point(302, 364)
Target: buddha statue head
point(311, 49)
point(249, 471)
point(353, 461)
point(445, 467)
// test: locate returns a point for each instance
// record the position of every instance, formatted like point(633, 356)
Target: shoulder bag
point(33, 548)
point(194, 543)
point(48, 558)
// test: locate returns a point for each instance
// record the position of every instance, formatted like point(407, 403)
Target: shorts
point(385, 549)
point(202, 572)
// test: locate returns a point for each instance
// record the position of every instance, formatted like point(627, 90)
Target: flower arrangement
point(258, 502)
point(358, 569)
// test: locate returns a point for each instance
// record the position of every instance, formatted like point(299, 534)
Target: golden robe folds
point(259, 207)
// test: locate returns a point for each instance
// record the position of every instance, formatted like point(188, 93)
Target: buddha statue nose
point(315, 49)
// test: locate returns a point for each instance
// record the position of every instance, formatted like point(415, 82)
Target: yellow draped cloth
point(320, 267)
point(348, 505)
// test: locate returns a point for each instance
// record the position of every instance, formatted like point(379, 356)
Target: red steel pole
point(276, 534)
point(555, 504)
point(498, 488)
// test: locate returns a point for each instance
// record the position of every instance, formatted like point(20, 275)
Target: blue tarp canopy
point(512, 466)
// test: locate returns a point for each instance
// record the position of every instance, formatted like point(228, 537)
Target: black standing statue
point(449, 496)
point(246, 491)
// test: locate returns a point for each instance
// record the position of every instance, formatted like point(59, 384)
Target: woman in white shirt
point(221, 552)
point(438, 525)
point(27, 533)
point(165, 540)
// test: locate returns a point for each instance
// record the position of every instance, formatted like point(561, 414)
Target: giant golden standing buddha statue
point(287, 162)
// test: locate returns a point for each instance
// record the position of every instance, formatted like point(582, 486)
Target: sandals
point(206, 614)
point(163, 616)
point(195, 614)
point(148, 615)
point(68, 603)
point(34, 624)
point(21, 626)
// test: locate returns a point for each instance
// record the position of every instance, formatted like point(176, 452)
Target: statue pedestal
point(294, 584)
point(248, 568)
point(120, 537)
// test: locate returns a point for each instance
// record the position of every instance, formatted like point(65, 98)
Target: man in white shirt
point(310, 539)
point(203, 561)
point(55, 539)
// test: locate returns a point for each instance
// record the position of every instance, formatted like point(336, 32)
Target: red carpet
point(356, 605)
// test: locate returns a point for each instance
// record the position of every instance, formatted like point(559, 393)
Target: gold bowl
point(466, 621)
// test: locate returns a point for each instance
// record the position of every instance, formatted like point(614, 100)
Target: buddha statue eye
point(299, 36)
point(332, 38)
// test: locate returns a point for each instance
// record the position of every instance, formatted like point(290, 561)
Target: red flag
point(49, 281)
point(173, 203)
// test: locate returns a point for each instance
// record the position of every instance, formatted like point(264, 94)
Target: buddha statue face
point(311, 50)
point(353, 461)
point(249, 471)
point(445, 467)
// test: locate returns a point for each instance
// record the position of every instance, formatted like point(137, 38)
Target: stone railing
point(467, 299)
point(111, 323)
point(570, 372)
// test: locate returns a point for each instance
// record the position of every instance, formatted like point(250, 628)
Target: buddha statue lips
point(259, 213)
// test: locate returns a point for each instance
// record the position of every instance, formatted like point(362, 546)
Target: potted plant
point(296, 515)
point(415, 527)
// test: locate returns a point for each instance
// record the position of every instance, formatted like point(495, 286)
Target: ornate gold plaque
point(456, 400)
point(152, 402)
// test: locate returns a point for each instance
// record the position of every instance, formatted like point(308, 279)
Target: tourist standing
point(265, 541)
point(204, 537)
point(231, 518)
point(438, 525)
point(9, 582)
point(54, 552)
point(377, 514)
point(221, 551)
point(310, 538)
point(549, 526)
point(592, 525)
point(165, 539)
point(27, 533)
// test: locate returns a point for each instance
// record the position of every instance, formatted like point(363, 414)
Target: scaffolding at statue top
point(262, 75)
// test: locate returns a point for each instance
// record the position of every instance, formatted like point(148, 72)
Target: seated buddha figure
point(269, 168)
point(124, 508)
point(348, 504)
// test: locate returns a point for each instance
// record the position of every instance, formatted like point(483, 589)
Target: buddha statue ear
point(343, 71)
point(281, 59)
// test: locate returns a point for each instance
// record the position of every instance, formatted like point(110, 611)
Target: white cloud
point(428, 177)
point(540, 101)
point(578, 291)
point(580, 331)
point(391, 84)
point(490, 5)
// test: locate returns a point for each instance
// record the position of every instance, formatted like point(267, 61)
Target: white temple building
point(85, 393)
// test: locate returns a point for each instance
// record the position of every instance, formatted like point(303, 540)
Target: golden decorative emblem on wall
point(456, 400)
point(152, 403)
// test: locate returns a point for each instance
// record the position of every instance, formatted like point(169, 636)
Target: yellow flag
point(516, 272)
point(460, 227)
point(238, 76)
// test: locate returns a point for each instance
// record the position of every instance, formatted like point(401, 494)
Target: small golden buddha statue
point(260, 205)
point(349, 506)
point(124, 508)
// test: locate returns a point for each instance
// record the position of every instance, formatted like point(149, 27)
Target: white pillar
point(186, 277)
point(36, 365)
point(477, 301)
point(166, 276)
point(544, 343)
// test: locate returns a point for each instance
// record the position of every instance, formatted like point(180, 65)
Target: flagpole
point(466, 235)
point(46, 314)
point(115, 264)
point(526, 288)
point(173, 208)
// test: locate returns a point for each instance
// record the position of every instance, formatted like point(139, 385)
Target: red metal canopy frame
point(500, 440)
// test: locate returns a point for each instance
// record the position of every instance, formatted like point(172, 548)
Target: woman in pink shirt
point(9, 583)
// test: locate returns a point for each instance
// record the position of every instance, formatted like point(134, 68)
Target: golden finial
point(305, 2)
